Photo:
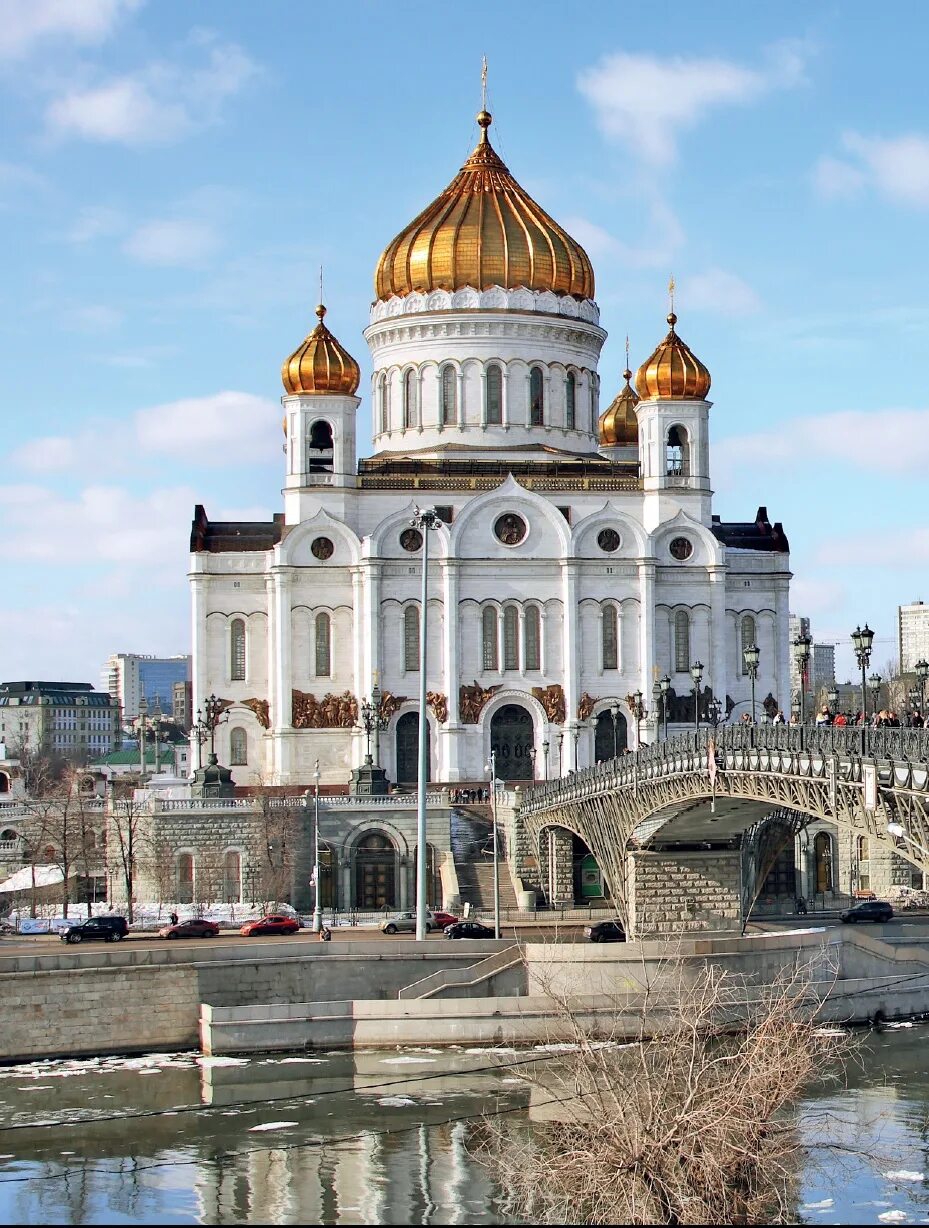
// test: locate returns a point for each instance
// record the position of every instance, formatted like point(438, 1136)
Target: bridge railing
point(679, 751)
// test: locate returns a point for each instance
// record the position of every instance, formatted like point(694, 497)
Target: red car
point(444, 918)
point(274, 924)
point(195, 928)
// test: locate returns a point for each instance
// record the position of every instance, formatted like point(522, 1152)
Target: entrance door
point(374, 872)
point(408, 748)
point(511, 736)
point(609, 743)
point(822, 851)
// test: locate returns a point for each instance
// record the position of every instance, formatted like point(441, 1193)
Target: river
point(378, 1137)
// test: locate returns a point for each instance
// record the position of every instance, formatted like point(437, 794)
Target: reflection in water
point(374, 1137)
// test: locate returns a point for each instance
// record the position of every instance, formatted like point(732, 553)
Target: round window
point(412, 540)
point(322, 548)
point(681, 548)
point(608, 540)
point(510, 529)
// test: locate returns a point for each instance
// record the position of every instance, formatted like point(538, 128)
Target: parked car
point(468, 929)
point(96, 929)
point(868, 910)
point(605, 931)
point(443, 919)
point(197, 927)
point(405, 922)
point(274, 924)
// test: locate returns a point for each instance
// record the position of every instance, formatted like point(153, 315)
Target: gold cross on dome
point(671, 291)
point(483, 82)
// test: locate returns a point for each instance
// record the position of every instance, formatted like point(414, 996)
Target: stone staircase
point(471, 835)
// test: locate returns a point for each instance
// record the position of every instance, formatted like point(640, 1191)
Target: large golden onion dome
point(484, 231)
point(673, 372)
point(321, 365)
point(619, 426)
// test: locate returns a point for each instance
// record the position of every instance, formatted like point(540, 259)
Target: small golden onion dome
point(673, 372)
point(321, 365)
point(484, 231)
point(619, 426)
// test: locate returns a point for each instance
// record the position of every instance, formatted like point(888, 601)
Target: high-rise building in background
point(181, 711)
point(130, 675)
point(913, 622)
point(797, 625)
point(69, 719)
point(822, 670)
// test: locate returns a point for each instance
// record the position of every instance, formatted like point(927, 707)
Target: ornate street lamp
point(546, 747)
point(426, 519)
point(665, 684)
point(372, 722)
point(874, 685)
point(696, 672)
point(656, 704)
point(317, 911)
point(832, 698)
point(751, 656)
point(639, 712)
point(802, 650)
point(532, 755)
point(491, 768)
point(862, 639)
point(914, 696)
point(212, 713)
point(922, 673)
point(615, 712)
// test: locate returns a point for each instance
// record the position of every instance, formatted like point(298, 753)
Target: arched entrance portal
point(822, 852)
point(511, 736)
point(408, 748)
point(610, 740)
point(375, 877)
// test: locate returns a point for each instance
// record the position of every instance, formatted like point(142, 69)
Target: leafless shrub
point(688, 1121)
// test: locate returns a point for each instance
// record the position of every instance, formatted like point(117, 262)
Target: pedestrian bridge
point(720, 788)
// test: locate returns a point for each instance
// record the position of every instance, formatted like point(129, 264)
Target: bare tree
point(690, 1124)
point(278, 820)
point(125, 823)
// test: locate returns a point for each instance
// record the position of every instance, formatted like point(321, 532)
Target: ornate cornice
point(496, 298)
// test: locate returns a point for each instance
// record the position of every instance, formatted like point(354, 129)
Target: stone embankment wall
point(671, 892)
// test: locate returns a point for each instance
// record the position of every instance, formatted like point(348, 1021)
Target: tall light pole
point(751, 656)
point(143, 712)
point(317, 911)
point(614, 713)
point(425, 519)
point(656, 704)
point(665, 684)
point(545, 749)
point(862, 639)
point(638, 711)
point(696, 672)
point(874, 685)
point(802, 650)
point(491, 767)
point(922, 673)
point(832, 698)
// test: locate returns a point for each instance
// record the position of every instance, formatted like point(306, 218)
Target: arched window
point(748, 638)
point(382, 402)
point(676, 453)
point(610, 637)
point(319, 449)
point(594, 382)
point(493, 395)
point(232, 877)
point(323, 646)
point(681, 642)
point(4, 782)
point(532, 635)
point(448, 398)
point(185, 878)
point(489, 638)
point(238, 746)
point(570, 401)
point(864, 849)
point(411, 638)
point(536, 397)
point(9, 834)
point(237, 650)
point(511, 637)
point(409, 399)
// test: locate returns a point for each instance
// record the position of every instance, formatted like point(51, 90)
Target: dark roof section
point(233, 536)
point(757, 535)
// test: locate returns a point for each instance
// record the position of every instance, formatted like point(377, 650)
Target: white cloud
point(160, 104)
point(95, 222)
point(897, 168)
point(28, 24)
point(664, 236)
point(719, 291)
point(817, 597)
point(94, 319)
point(901, 549)
point(835, 178)
point(180, 242)
point(897, 442)
point(646, 102)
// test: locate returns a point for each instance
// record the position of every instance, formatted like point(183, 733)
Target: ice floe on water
point(396, 1102)
point(822, 1205)
point(404, 1061)
point(893, 1217)
point(222, 1061)
point(291, 1061)
point(273, 1125)
point(905, 1023)
point(904, 1174)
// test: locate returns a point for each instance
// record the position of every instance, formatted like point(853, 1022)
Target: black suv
point(605, 931)
point(870, 910)
point(105, 929)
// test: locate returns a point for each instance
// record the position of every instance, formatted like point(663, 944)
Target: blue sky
point(172, 175)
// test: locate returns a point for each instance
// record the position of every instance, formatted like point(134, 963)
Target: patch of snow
point(903, 1174)
point(395, 1102)
point(404, 1061)
point(222, 1061)
point(817, 1206)
point(893, 1217)
point(274, 1125)
point(293, 1061)
point(899, 1025)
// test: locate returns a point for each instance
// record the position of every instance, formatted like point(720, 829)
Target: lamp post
point(545, 749)
point(802, 650)
point(862, 639)
point(491, 767)
point(532, 754)
point(615, 711)
point(638, 711)
point(914, 697)
point(665, 684)
point(696, 672)
point(922, 673)
point(832, 698)
point(426, 519)
point(317, 911)
point(372, 722)
point(874, 686)
point(656, 704)
point(143, 712)
point(751, 656)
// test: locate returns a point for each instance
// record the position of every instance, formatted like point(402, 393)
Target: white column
point(360, 683)
point(372, 618)
point(282, 658)
point(572, 670)
point(719, 679)
point(198, 639)
point(449, 770)
point(647, 662)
